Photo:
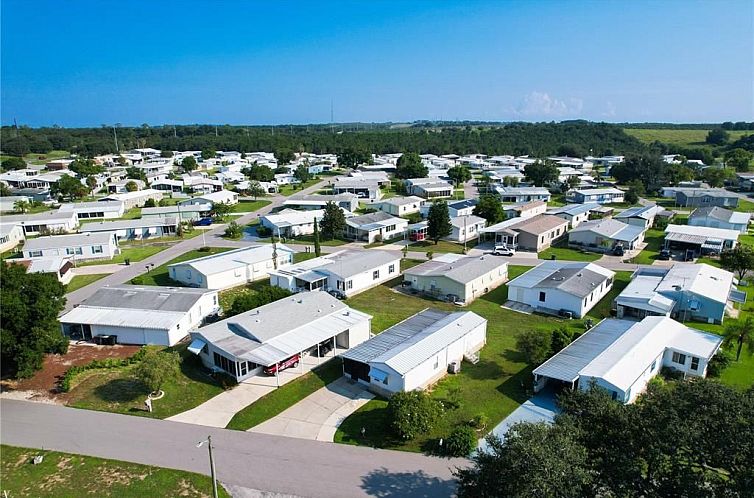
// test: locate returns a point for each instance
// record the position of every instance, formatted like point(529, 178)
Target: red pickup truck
point(290, 362)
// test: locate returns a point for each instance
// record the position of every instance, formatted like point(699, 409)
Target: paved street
point(256, 461)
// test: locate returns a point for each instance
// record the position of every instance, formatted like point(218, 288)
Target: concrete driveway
point(217, 411)
point(318, 416)
point(542, 407)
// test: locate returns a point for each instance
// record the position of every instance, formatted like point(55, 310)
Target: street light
point(211, 463)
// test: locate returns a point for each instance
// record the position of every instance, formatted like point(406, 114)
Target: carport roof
point(567, 364)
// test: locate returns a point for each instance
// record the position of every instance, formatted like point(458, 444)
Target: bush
point(671, 373)
point(461, 442)
point(233, 230)
point(480, 421)
point(263, 231)
point(535, 345)
point(718, 363)
point(71, 373)
point(255, 299)
point(204, 249)
point(413, 413)
point(156, 368)
point(561, 338)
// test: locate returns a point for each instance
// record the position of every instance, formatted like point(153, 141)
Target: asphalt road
point(249, 460)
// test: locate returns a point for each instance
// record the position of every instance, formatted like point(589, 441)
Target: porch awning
point(737, 296)
point(196, 346)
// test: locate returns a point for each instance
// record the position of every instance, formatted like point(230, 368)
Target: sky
point(87, 63)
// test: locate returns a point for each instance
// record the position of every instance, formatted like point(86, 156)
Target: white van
point(503, 251)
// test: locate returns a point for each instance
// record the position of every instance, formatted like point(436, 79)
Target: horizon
point(293, 63)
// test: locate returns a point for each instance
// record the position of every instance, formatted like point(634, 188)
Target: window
point(35, 254)
point(224, 363)
point(237, 272)
point(349, 285)
point(244, 367)
point(694, 363)
point(391, 269)
point(97, 250)
point(375, 274)
point(679, 358)
point(654, 364)
point(614, 395)
point(437, 362)
point(542, 297)
point(585, 301)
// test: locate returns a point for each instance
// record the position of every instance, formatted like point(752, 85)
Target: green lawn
point(492, 387)
point(134, 253)
point(287, 395)
point(37, 159)
point(249, 206)
point(80, 281)
point(678, 137)
point(561, 251)
point(307, 239)
point(227, 296)
point(745, 206)
point(159, 276)
point(292, 189)
point(442, 246)
point(117, 391)
point(303, 256)
point(66, 474)
point(654, 239)
point(32, 210)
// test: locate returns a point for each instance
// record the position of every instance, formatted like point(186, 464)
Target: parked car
point(665, 254)
point(503, 251)
point(290, 362)
point(337, 294)
point(618, 250)
point(204, 222)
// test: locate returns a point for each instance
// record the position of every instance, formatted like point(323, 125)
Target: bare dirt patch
point(44, 384)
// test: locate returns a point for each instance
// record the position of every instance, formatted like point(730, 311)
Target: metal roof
point(345, 263)
point(629, 354)
point(694, 234)
point(573, 209)
point(468, 221)
point(229, 260)
point(721, 214)
point(146, 319)
point(278, 330)
point(641, 293)
point(407, 344)
point(58, 241)
point(149, 298)
point(643, 212)
point(373, 221)
point(701, 279)
point(462, 270)
point(611, 229)
point(575, 278)
point(85, 206)
point(45, 218)
point(110, 226)
point(190, 208)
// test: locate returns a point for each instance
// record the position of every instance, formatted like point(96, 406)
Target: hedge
point(107, 363)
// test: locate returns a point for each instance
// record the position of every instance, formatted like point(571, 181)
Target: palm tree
point(21, 206)
point(741, 332)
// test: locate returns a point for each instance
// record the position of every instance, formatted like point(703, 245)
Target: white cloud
point(541, 104)
point(609, 110)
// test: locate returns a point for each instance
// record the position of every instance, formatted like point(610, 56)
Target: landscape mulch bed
point(45, 382)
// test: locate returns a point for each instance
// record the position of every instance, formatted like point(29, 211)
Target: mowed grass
point(66, 474)
point(118, 391)
point(654, 239)
point(249, 206)
point(561, 251)
point(679, 137)
point(132, 253)
point(287, 190)
point(80, 281)
point(159, 276)
point(494, 387)
point(287, 395)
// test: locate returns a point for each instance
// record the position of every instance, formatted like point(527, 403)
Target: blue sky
point(77, 63)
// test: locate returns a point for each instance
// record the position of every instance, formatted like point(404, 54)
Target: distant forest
point(574, 138)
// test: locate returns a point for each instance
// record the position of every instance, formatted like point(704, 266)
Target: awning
point(196, 346)
point(377, 375)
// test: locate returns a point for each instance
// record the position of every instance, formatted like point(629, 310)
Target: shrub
point(203, 249)
point(156, 368)
point(535, 345)
point(671, 373)
point(480, 421)
point(718, 363)
point(73, 372)
point(233, 230)
point(250, 300)
point(413, 413)
point(561, 338)
point(263, 231)
point(461, 442)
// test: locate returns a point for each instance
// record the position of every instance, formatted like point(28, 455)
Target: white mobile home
point(77, 246)
point(416, 352)
point(244, 344)
point(87, 210)
point(134, 199)
point(457, 278)
point(186, 213)
point(139, 229)
point(349, 202)
point(622, 356)
point(223, 196)
point(140, 315)
point(375, 227)
point(292, 223)
point(555, 286)
point(400, 206)
point(345, 272)
point(10, 236)
point(231, 268)
point(50, 221)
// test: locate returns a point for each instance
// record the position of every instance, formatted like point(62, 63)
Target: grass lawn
point(249, 206)
point(287, 190)
point(678, 137)
point(745, 206)
point(492, 387)
point(117, 391)
point(303, 256)
point(159, 276)
point(307, 239)
point(38, 159)
point(32, 210)
point(134, 253)
point(441, 247)
point(654, 239)
point(286, 396)
point(66, 474)
point(561, 251)
point(80, 281)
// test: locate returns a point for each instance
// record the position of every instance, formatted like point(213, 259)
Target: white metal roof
point(705, 232)
point(702, 279)
point(147, 319)
point(641, 293)
point(462, 269)
point(59, 241)
point(237, 258)
point(407, 344)
point(573, 277)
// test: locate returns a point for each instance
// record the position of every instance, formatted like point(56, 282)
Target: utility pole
point(332, 129)
point(211, 464)
point(115, 136)
point(215, 130)
point(175, 133)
